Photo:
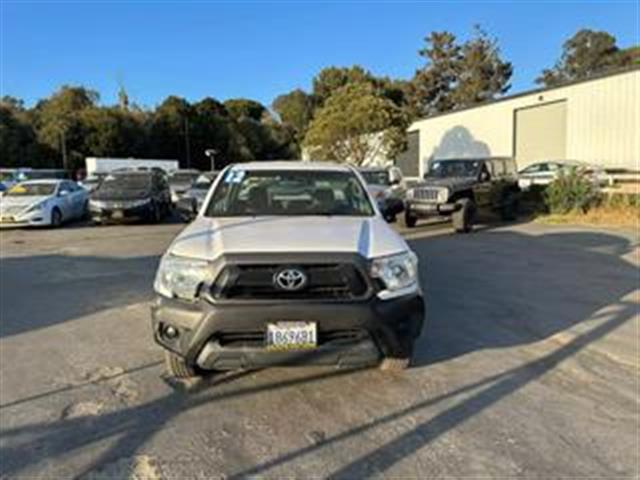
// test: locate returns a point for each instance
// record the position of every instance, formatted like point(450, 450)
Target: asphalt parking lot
point(528, 368)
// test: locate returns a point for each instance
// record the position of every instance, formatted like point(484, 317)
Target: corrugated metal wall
point(602, 124)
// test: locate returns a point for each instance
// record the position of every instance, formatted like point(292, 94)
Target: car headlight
point(37, 206)
point(397, 272)
point(443, 195)
point(180, 277)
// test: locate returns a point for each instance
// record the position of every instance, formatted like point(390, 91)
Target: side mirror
point(484, 177)
point(395, 177)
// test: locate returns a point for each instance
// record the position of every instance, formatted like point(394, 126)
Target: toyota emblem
point(290, 279)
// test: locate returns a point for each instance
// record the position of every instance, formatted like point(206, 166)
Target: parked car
point(542, 174)
point(288, 263)
point(131, 195)
point(42, 202)
point(180, 181)
point(460, 189)
point(388, 188)
point(191, 201)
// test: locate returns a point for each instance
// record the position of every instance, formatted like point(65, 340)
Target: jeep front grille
point(336, 281)
point(428, 194)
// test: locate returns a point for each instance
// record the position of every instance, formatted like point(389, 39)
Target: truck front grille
point(338, 281)
point(428, 194)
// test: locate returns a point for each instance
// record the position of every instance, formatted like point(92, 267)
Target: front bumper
point(430, 209)
point(36, 218)
point(227, 336)
point(102, 214)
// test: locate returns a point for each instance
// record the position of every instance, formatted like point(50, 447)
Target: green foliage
point(588, 53)
point(457, 75)
point(242, 107)
point(570, 192)
point(331, 79)
point(354, 125)
point(295, 110)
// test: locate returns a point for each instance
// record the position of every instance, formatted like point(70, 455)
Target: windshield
point(31, 189)
point(454, 168)
point(380, 177)
point(288, 192)
point(183, 177)
point(126, 182)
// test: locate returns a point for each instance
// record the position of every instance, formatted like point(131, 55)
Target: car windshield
point(31, 189)
point(376, 177)
point(288, 192)
point(136, 181)
point(454, 168)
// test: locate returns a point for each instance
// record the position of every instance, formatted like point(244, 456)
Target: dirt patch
point(605, 216)
point(139, 467)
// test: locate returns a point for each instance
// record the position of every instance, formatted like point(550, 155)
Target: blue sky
point(261, 49)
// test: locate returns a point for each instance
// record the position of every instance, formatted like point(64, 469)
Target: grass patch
point(602, 215)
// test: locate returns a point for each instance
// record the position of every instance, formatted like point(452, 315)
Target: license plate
point(291, 335)
point(117, 214)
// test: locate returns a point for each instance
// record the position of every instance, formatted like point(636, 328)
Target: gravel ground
point(528, 368)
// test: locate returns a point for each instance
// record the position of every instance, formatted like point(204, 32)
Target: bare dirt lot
point(528, 367)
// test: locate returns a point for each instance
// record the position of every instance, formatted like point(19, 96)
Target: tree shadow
point(459, 142)
point(503, 288)
point(40, 291)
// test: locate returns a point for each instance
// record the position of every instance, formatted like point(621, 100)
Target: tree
point(354, 125)
point(480, 72)
point(458, 75)
point(18, 142)
point(330, 79)
point(169, 127)
point(59, 125)
point(243, 107)
point(587, 53)
point(296, 110)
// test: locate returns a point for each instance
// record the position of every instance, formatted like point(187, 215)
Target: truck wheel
point(463, 218)
point(409, 220)
point(509, 210)
point(177, 367)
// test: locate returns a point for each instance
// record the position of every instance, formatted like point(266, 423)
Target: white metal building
point(595, 121)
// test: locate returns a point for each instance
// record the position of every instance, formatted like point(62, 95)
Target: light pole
point(211, 153)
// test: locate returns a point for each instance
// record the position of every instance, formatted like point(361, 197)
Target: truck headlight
point(397, 272)
point(180, 277)
point(443, 195)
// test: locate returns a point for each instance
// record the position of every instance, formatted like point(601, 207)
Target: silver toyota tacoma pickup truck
point(287, 263)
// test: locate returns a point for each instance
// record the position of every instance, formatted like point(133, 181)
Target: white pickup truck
point(287, 263)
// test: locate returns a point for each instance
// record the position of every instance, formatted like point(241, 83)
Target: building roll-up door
point(408, 160)
point(541, 133)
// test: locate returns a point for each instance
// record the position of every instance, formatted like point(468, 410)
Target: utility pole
point(186, 141)
point(63, 145)
point(211, 153)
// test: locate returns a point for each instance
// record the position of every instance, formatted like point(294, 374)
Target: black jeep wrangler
point(462, 189)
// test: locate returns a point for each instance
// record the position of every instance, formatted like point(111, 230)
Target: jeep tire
point(410, 220)
point(463, 217)
point(177, 367)
point(509, 210)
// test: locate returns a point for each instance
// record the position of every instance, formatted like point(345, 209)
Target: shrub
point(571, 191)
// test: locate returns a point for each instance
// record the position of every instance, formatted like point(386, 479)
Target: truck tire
point(177, 367)
point(410, 220)
point(463, 218)
point(509, 210)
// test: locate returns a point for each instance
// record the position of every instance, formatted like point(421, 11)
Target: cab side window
point(498, 168)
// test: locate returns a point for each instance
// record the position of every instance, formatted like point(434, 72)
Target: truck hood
point(208, 238)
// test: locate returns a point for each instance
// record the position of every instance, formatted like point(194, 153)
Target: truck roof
point(293, 165)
